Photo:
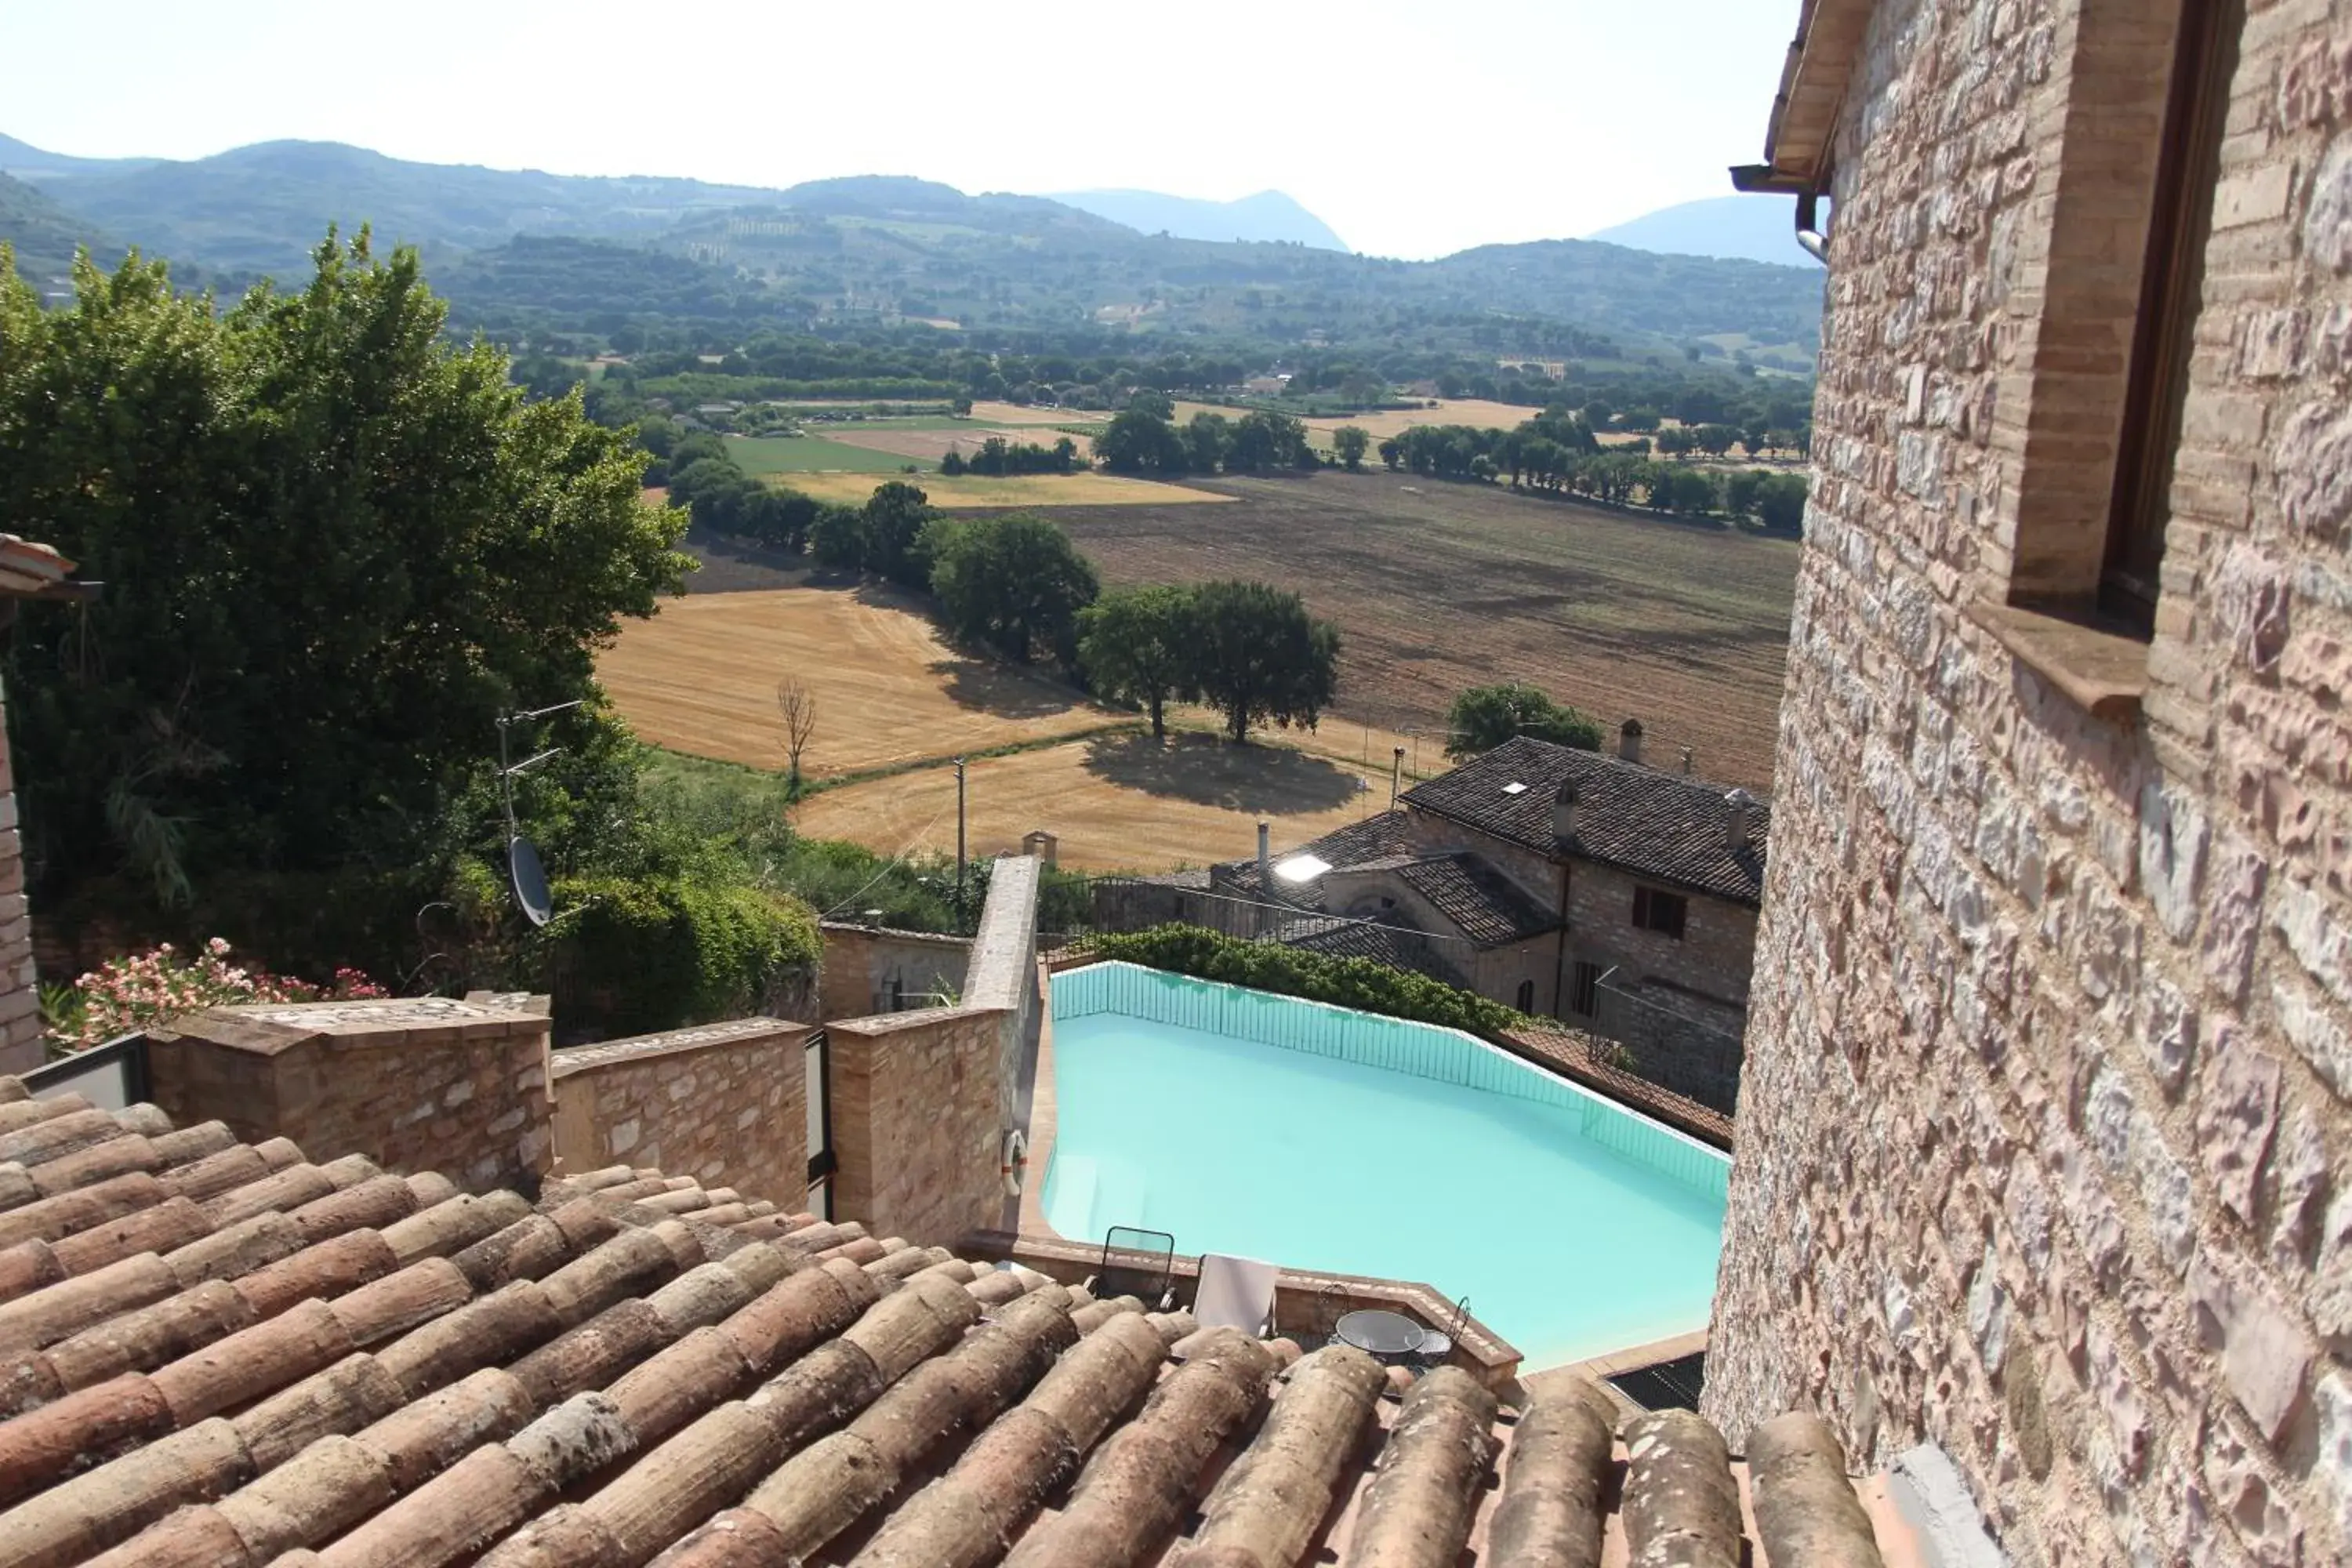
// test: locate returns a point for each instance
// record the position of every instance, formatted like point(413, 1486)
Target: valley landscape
point(847, 334)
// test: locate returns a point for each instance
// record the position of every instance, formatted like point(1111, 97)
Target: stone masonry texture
point(2045, 1153)
point(424, 1083)
point(919, 1111)
point(724, 1103)
point(20, 996)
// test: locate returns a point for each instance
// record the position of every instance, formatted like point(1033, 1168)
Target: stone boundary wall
point(1677, 1043)
point(423, 1083)
point(919, 1114)
point(20, 994)
point(724, 1103)
point(2045, 1150)
point(863, 964)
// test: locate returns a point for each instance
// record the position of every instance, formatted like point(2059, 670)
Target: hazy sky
point(1413, 129)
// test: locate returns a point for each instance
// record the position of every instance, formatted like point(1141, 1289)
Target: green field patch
point(761, 455)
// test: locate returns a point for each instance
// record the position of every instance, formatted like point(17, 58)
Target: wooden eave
point(1812, 89)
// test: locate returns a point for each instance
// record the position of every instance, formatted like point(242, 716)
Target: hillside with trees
point(874, 250)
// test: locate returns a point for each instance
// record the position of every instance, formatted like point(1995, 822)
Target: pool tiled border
point(1393, 1044)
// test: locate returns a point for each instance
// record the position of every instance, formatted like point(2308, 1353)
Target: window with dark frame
point(2171, 282)
point(1659, 912)
point(1526, 1001)
point(1584, 990)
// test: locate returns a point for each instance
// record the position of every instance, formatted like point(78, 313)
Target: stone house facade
point(2046, 1156)
point(1572, 884)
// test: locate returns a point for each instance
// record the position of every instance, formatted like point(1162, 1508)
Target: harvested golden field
point(1026, 413)
point(1439, 586)
point(1379, 423)
point(928, 447)
point(1023, 489)
point(700, 676)
point(1120, 802)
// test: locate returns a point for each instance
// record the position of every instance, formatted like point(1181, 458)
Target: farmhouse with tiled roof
point(1572, 884)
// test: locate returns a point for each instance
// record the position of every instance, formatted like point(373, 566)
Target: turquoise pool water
point(1318, 1138)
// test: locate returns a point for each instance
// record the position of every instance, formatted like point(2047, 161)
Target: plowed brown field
point(1438, 586)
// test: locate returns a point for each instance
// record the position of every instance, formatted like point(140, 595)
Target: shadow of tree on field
point(1271, 780)
point(732, 565)
point(1000, 690)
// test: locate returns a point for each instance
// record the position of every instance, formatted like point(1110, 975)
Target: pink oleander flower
point(138, 990)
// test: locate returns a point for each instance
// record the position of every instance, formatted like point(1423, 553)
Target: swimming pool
point(1318, 1138)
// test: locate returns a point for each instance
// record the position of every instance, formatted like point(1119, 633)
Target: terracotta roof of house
point(233, 1354)
point(1388, 940)
point(1488, 907)
point(1388, 833)
point(1666, 826)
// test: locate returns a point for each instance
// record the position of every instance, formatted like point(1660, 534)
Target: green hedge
point(1358, 983)
point(634, 955)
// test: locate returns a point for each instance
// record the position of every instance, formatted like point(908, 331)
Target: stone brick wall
point(919, 1110)
point(864, 965)
point(20, 996)
point(1712, 957)
point(724, 1103)
point(921, 1100)
point(2044, 1152)
point(415, 1084)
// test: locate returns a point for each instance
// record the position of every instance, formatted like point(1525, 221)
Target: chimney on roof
point(1265, 860)
point(1739, 820)
point(1628, 739)
point(1563, 810)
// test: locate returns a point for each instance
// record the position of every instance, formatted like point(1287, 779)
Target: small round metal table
point(1384, 1335)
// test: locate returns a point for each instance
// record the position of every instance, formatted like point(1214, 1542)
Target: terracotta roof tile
point(1484, 905)
point(381, 1368)
point(1659, 825)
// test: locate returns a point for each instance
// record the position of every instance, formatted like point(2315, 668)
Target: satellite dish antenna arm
point(524, 872)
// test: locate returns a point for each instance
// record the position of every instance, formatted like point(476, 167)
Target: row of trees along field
point(1015, 586)
point(1144, 438)
point(1558, 455)
point(1088, 368)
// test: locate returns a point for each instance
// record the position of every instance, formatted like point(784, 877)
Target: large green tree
point(1139, 442)
point(334, 550)
point(1135, 645)
point(1484, 717)
point(1258, 657)
point(1013, 583)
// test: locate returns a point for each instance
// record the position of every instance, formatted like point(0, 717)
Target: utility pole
point(960, 850)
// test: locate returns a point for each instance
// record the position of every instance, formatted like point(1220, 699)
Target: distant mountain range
point(1739, 228)
point(517, 248)
point(1268, 216)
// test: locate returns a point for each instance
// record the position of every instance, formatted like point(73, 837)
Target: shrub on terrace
point(1358, 983)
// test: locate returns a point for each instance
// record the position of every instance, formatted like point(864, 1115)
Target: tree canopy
point(1484, 717)
point(1259, 657)
point(1013, 584)
point(335, 548)
point(1135, 645)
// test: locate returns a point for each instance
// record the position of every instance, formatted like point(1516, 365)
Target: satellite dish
point(529, 881)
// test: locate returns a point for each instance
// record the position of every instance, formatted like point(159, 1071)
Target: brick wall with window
point(2045, 1151)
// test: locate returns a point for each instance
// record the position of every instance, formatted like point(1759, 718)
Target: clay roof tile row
point(348, 1366)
